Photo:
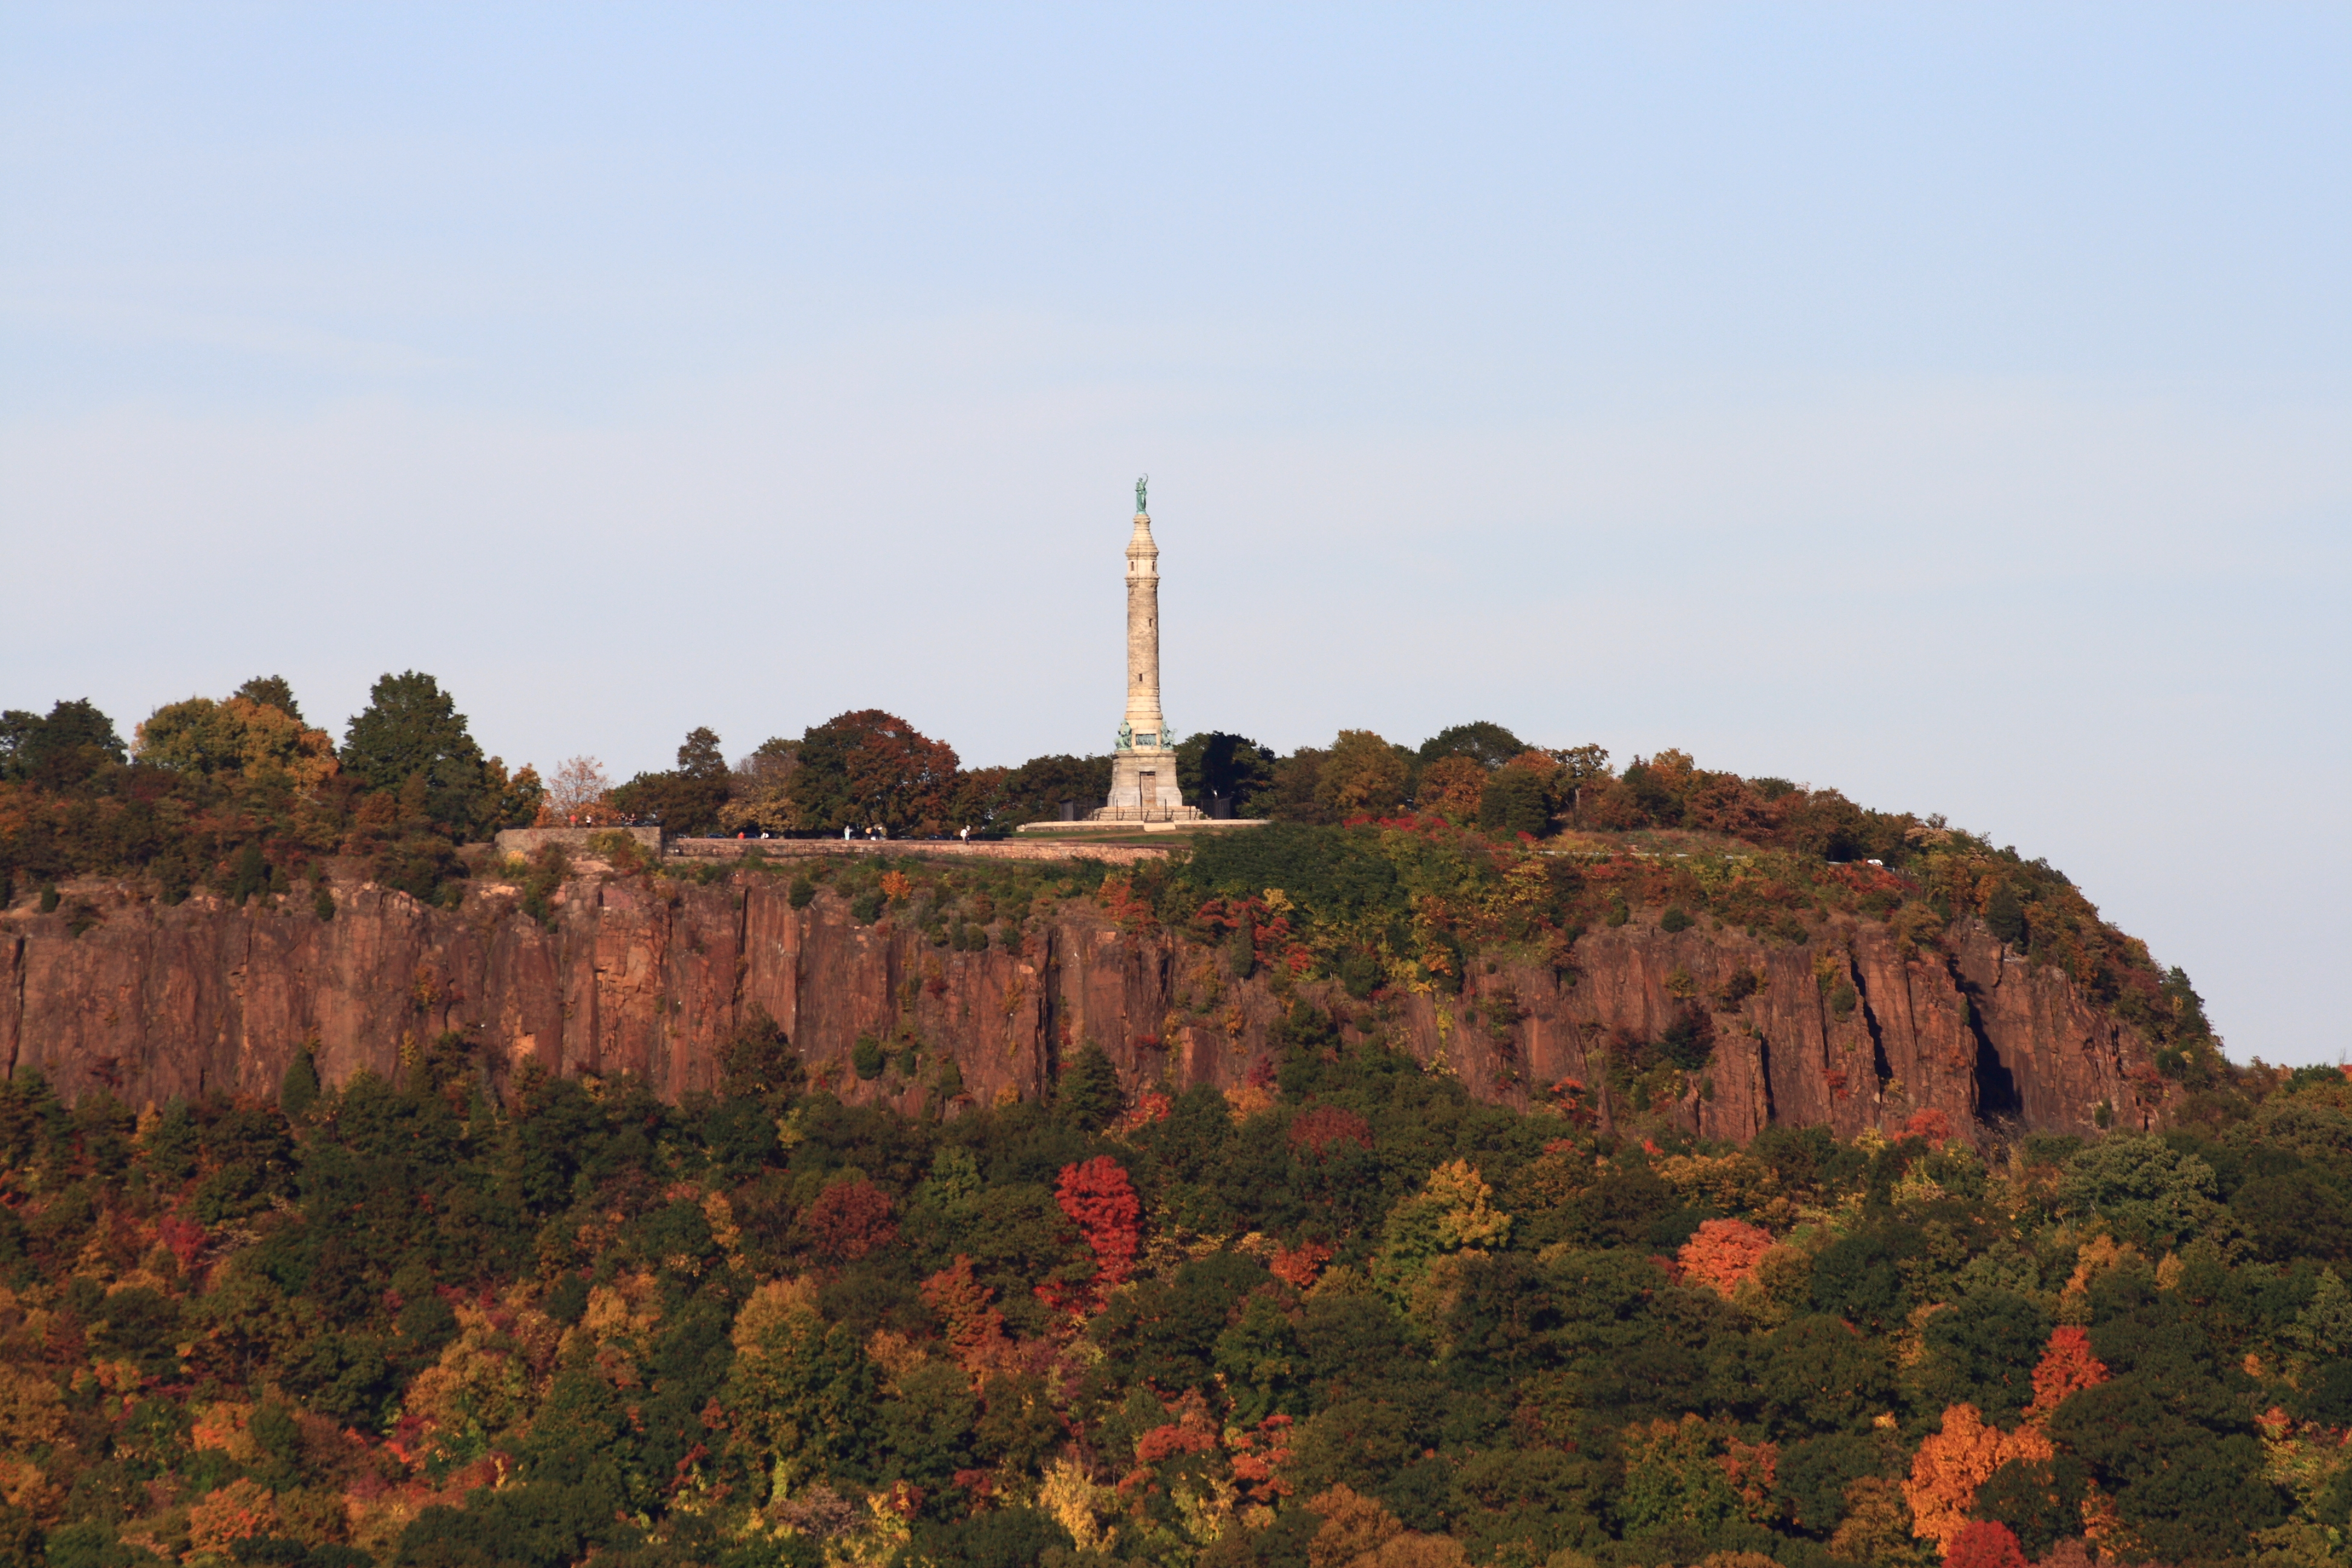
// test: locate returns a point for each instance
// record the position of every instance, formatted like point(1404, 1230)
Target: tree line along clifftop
point(1403, 878)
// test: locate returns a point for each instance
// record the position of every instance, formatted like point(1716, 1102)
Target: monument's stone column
point(1144, 723)
point(1144, 770)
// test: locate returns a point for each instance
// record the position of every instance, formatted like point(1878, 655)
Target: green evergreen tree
point(758, 1063)
point(684, 800)
point(297, 1091)
point(412, 729)
point(1217, 763)
point(1486, 744)
point(1516, 800)
point(74, 742)
point(1088, 1094)
point(2005, 917)
point(250, 875)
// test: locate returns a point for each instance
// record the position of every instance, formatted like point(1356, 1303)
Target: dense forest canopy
point(1338, 1315)
point(1344, 1315)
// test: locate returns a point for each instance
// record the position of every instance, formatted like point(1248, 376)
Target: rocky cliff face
point(648, 976)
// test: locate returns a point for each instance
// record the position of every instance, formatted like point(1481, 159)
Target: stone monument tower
point(1143, 769)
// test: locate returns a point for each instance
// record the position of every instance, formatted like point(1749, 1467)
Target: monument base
point(1143, 788)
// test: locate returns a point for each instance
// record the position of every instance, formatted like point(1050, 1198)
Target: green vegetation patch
point(458, 1316)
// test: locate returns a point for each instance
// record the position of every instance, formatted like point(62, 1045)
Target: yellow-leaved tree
point(239, 737)
point(1452, 1217)
point(801, 1390)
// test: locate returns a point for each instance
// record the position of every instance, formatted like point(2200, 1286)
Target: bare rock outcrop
point(649, 976)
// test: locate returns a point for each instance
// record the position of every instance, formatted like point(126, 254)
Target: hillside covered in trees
point(1342, 1316)
point(1333, 1311)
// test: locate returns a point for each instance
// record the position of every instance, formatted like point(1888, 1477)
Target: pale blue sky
point(1952, 405)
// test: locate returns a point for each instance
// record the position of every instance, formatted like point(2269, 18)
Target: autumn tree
point(579, 795)
point(1983, 1544)
point(974, 1331)
point(2067, 1366)
point(1953, 1462)
point(1363, 776)
point(1451, 787)
point(870, 767)
point(1097, 1196)
point(850, 1220)
point(1453, 1215)
point(1723, 1252)
point(238, 737)
point(759, 790)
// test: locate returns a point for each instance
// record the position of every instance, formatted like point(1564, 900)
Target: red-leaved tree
point(1315, 1132)
point(1931, 1124)
point(1985, 1543)
point(849, 1220)
point(1100, 1201)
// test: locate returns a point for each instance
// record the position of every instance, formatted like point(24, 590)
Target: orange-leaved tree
point(1953, 1463)
point(1450, 786)
point(1723, 1252)
point(1298, 1266)
point(974, 1329)
point(2067, 1366)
